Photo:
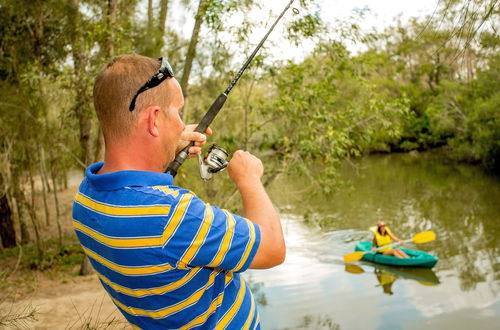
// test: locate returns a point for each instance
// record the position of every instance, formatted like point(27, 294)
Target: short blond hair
point(116, 85)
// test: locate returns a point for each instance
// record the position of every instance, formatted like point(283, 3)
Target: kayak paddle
point(423, 237)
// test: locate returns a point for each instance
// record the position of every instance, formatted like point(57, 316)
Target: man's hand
point(189, 135)
point(246, 171)
point(245, 167)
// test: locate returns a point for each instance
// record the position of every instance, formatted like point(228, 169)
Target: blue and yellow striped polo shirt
point(167, 259)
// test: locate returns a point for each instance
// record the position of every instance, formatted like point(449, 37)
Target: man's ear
point(153, 120)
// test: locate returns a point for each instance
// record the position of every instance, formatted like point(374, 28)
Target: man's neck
point(130, 158)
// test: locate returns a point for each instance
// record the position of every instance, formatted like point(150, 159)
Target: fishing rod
point(216, 158)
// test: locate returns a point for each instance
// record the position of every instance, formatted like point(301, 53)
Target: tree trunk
point(65, 179)
point(82, 109)
point(191, 53)
point(82, 99)
point(25, 233)
point(9, 217)
point(34, 222)
point(109, 51)
point(56, 202)
point(99, 145)
point(110, 37)
point(149, 40)
point(150, 16)
point(45, 185)
point(7, 231)
point(86, 267)
point(16, 192)
point(162, 20)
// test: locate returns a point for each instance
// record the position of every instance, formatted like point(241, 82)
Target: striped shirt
point(167, 259)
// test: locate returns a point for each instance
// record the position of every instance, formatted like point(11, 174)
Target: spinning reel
point(214, 161)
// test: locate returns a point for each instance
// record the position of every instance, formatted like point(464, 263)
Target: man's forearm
point(259, 209)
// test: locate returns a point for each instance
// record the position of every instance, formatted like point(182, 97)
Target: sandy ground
point(80, 303)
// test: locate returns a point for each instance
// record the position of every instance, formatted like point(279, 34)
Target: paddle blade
point(352, 257)
point(424, 237)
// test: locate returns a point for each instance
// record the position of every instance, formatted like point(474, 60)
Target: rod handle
point(211, 113)
point(214, 109)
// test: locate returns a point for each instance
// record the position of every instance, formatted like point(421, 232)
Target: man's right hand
point(245, 168)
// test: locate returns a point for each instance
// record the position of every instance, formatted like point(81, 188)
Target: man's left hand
point(189, 135)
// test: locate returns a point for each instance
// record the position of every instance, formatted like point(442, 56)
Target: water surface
point(313, 289)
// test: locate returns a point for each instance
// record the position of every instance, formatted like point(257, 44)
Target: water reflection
point(257, 291)
point(318, 322)
point(387, 275)
point(423, 276)
point(386, 280)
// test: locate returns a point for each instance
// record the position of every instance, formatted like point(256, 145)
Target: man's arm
point(246, 172)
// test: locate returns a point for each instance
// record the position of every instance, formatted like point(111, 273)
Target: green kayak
point(417, 258)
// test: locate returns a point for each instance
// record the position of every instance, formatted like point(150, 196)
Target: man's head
point(154, 121)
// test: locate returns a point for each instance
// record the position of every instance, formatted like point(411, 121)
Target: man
point(167, 259)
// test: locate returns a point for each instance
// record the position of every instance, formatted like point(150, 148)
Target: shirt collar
point(120, 179)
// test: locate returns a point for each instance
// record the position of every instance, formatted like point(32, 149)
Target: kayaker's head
point(381, 228)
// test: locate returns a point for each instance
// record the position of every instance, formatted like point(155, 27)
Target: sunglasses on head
point(165, 71)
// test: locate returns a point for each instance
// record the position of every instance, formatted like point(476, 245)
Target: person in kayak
point(384, 236)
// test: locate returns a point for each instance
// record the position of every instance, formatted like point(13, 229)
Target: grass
point(12, 318)
point(90, 319)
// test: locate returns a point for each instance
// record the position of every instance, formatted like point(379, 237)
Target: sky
point(381, 14)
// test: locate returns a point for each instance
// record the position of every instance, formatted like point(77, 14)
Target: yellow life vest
point(382, 239)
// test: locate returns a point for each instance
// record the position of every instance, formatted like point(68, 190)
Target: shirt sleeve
point(208, 236)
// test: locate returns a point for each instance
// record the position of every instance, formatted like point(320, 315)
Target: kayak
point(417, 258)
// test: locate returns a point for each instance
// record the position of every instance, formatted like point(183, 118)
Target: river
point(313, 289)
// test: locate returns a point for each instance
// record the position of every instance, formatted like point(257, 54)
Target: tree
point(191, 52)
point(82, 108)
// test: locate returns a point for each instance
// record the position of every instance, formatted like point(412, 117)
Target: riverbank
point(50, 294)
point(77, 302)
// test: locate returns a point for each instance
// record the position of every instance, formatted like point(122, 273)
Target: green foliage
point(418, 85)
point(57, 258)
point(479, 136)
point(449, 80)
point(307, 26)
point(330, 110)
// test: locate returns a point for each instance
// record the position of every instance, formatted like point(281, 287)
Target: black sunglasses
point(165, 71)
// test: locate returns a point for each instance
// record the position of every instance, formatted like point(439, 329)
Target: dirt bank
point(79, 303)
point(50, 294)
